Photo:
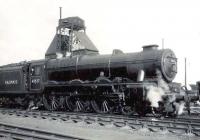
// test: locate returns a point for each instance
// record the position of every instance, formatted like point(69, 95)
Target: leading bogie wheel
point(128, 110)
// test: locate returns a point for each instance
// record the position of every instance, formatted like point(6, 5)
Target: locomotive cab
point(36, 73)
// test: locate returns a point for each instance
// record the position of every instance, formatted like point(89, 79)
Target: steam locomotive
point(75, 77)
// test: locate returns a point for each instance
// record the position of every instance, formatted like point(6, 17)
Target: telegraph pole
point(188, 101)
point(186, 73)
point(60, 34)
point(60, 12)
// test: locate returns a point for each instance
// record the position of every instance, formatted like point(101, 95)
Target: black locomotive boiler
point(75, 77)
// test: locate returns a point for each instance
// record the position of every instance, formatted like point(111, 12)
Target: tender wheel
point(51, 102)
point(75, 104)
point(102, 105)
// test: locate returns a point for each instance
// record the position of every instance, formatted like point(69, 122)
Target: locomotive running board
point(128, 85)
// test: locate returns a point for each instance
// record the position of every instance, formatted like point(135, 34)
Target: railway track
point(23, 133)
point(182, 125)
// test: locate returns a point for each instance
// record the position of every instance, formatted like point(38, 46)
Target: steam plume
point(179, 107)
point(154, 94)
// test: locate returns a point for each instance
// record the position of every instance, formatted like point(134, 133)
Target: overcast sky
point(28, 26)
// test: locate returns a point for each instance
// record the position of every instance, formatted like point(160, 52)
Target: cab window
point(36, 70)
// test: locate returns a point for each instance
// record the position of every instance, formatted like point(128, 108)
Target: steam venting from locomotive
point(179, 107)
point(155, 93)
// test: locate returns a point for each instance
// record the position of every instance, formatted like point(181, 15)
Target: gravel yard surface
point(92, 131)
